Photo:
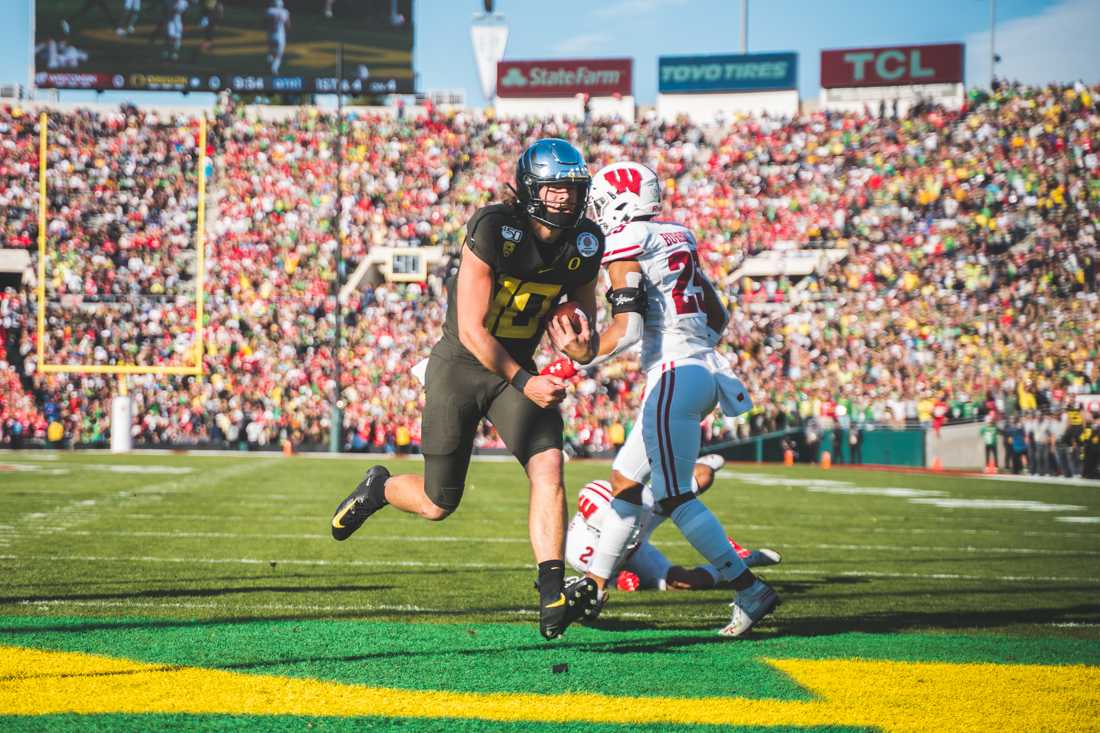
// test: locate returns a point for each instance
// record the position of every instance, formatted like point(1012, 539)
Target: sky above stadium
point(1038, 40)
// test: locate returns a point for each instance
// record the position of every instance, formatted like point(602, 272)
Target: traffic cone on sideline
point(937, 464)
point(288, 448)
point(991, 466)
point(826, 459)
point(788, 457)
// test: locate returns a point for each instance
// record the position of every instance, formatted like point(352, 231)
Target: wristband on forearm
point(521, 378)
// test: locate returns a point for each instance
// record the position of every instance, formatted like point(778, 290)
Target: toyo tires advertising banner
point(892, 66)
point(594, 77)
point(758, 72)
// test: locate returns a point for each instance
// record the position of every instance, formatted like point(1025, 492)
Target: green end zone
point(200, 674)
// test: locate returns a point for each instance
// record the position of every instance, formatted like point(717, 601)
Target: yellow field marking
point(892, 696)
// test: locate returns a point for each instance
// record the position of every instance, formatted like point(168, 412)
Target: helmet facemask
point(558, 215)
point(552, 163)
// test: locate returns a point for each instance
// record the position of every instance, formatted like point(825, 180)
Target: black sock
point(551, 579)
point(743, 581)
point(377, 492)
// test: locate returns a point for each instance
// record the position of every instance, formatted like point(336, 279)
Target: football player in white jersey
point(644, 566)
point(173, 29)
point(278, 20)
point(660, 296)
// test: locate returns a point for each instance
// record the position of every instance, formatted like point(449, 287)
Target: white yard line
point(403, 608)
point(814, 572)
point(733, 525)
point(781, 570)
point(323, 536)
point(268, 561)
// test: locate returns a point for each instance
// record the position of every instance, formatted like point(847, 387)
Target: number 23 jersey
point(675, 317)
point(529, 277)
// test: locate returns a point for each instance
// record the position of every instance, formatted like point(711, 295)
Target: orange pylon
point(788, 457)
point(991, 466)
point(826, 459)
point(937, 464)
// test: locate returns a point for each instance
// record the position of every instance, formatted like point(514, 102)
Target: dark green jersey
point(529, 277)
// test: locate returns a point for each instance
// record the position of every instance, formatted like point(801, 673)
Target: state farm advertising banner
point(892, 66)
point(594, 77)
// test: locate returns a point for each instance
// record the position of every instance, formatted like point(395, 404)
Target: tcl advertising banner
point(892, 66)
point(733, 73)
point(594, 77)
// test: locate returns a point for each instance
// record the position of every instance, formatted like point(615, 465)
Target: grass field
point(157, 591)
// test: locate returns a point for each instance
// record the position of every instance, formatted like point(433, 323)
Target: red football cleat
point(741, 551)
point(628, 582)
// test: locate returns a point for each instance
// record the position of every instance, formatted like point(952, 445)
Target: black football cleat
point(579, 598)
point(369, 496)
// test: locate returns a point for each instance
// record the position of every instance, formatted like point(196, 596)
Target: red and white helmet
point(624, 191)
point(594, 497)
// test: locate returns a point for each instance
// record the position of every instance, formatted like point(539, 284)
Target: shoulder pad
point(493, 214)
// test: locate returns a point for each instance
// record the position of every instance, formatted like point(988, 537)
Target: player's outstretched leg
point(369, 496)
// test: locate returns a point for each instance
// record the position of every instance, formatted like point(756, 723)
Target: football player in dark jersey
point(520, 258)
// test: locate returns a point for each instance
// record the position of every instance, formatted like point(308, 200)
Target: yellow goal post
point(122, 370)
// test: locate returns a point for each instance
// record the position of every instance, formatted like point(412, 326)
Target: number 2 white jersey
point(675, 319)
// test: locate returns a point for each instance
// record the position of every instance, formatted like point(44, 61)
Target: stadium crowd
point(967, 288)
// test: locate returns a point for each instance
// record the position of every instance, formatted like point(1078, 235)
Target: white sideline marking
point(1025, 505)
point(1078, 520)
point(767, 479)
point(893, 491)
point(321, 535)
point(292, 607)
point(968, 548)
point(810, 571)
point(266, 561)
point(739, 527)
point(109, 467)
point(925, 576)
point(1056, 480)
point(419, 539)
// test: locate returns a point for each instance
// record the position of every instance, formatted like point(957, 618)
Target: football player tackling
point(643, 565)
point(518, 260)
point(660, 296)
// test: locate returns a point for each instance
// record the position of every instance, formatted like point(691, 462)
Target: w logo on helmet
point(625, 179)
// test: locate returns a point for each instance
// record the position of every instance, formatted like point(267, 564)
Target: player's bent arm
point(585, 297)
point(473, 299)
point(627, 320)
point(717, 315)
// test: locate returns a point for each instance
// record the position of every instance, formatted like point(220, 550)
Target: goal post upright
point(121, 405)
point(42, 121)
point(200, 246)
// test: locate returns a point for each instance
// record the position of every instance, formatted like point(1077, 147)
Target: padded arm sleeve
point(627, 300)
